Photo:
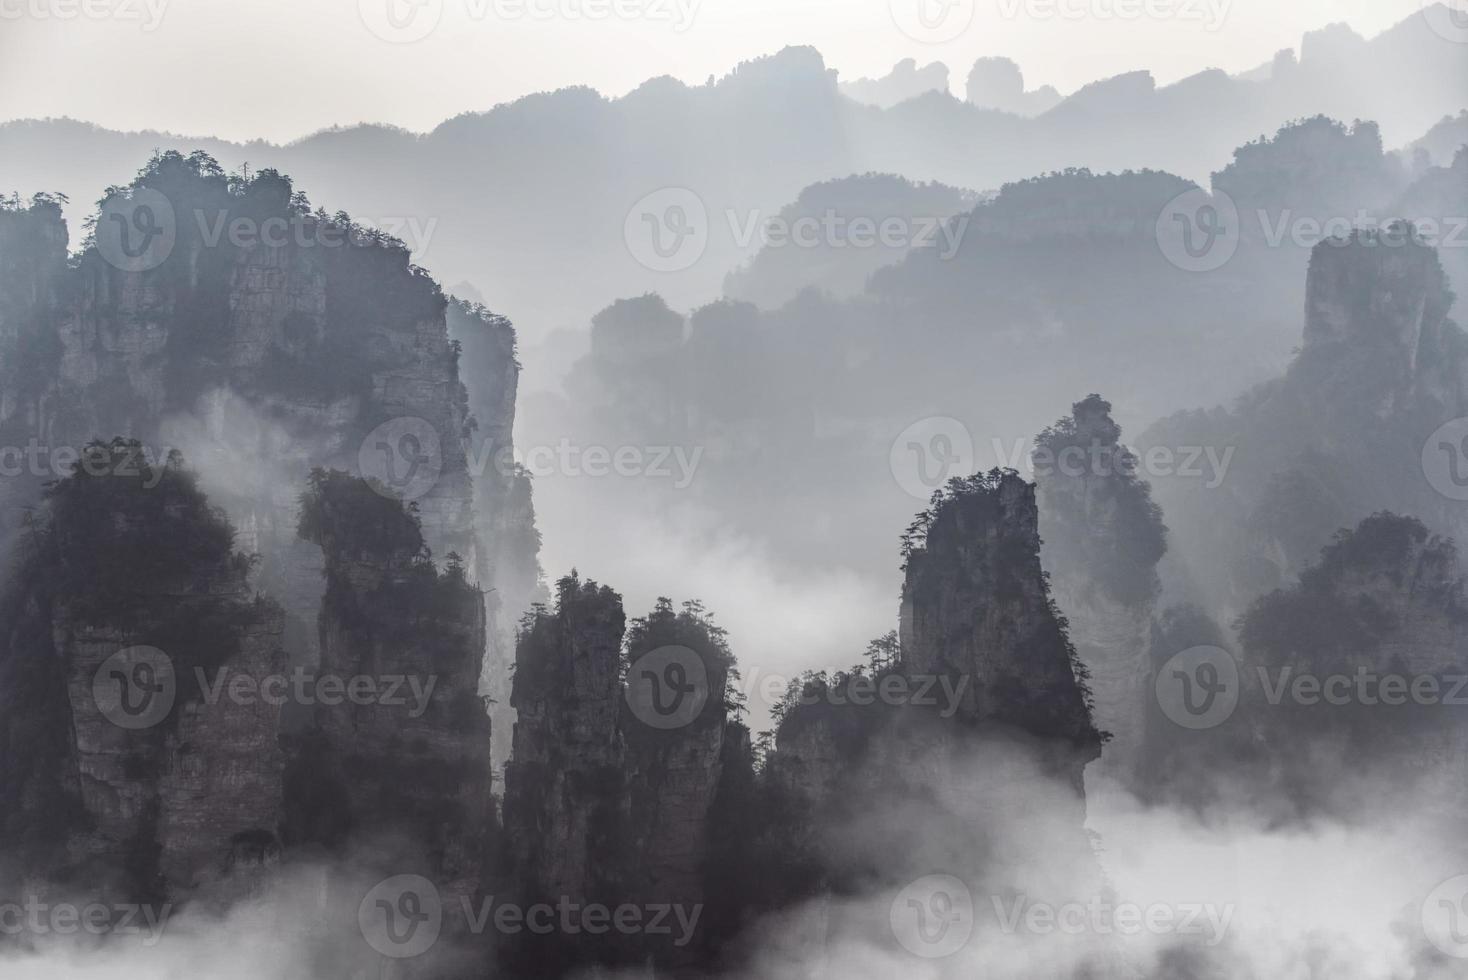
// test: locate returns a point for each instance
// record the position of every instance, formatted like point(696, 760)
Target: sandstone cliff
point(1102, 538)
point(126, 770)
point(1349, 430)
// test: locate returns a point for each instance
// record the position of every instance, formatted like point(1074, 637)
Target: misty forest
point(936, 521)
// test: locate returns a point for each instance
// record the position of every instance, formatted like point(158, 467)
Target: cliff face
point(1102, 538)
point(508, 542)
point(125, 765)
point(1385, 600)
point(1348, 431)
point(411, 756)
point(975, 605)
point(606, 798)
point(563, 787)
point(266, 339)
point(976, 726)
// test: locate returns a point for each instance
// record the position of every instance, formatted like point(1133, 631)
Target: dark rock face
point(411, 756)
point(1339, 437)
point(1385, 600)
point(1102, 538)
point(976, 605)
point(563, 785)
point(600, 804)
point(138, 790)
point(1004, 728)
point(264, 354)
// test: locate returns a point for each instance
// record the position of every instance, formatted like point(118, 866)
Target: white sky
point(280, 69)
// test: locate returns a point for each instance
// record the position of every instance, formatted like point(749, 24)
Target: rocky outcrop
point(976, 606)
point(265, 339)
point(1383, 606)
point(406, 750)
point(609, 795)
point(563, 785)
point(1102, 538)
point(128, 761)
point(1348, 431)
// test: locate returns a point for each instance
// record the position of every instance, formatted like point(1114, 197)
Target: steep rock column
point(145, 771)
point(564, 785)
point(405, 751)
point(1102, 538)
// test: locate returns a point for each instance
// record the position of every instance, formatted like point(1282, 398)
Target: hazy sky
point(280, 69)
